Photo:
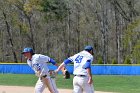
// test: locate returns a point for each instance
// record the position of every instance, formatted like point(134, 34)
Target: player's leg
point(88, 88)
point(39, 87)
point(48, 83)
point(76, 87)
point(53, 84)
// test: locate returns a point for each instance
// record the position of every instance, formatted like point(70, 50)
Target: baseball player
point(82, 81)
point(38, 63)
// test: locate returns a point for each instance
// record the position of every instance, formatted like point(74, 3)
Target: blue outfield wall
point(16, 69)
point(96, 69)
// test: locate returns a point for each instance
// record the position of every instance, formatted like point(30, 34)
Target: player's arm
point(67, 61)
point(90, 76)
point(87, 66)
point(53, 62)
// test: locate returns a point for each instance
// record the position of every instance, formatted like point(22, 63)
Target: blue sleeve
point(67, 61)
point(52, 61)
point(87, 64)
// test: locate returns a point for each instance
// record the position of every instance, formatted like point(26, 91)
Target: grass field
point(121, 84)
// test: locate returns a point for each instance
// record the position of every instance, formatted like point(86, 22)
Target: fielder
point(82, 81)
point(38, 63)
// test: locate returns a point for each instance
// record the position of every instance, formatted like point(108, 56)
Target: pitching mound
point(22, 89)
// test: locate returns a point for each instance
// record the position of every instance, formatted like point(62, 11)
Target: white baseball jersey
point(38, 62)
point(80, 81)
point(79, 61)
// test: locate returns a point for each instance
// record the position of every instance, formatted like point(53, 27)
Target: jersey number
point(37, 67)
point(79, 59)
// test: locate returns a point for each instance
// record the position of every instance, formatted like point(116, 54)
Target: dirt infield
point(21, 89)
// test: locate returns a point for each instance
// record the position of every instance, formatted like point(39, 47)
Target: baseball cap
point(27, 49)
point(88, 48)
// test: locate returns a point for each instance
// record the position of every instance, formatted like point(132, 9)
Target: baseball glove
point(52, 73)
point(66, 74)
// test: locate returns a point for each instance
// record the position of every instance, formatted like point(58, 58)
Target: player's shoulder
point(84, 53)
point(75, 56)
point(87, 54)
point(37, 56)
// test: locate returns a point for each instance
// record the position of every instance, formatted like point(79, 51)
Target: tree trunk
point(31, 32)
point(10, 37)
point(117, 37)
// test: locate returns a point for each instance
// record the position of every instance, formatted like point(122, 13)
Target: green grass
point(18, 79)
point(121, 84)
point(30, 80)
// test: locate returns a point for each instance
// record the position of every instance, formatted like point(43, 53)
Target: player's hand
point(52, 74)
point(90, 81)
point(37, 73)
point(56, 71)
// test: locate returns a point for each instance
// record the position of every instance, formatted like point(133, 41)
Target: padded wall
point(96, 69)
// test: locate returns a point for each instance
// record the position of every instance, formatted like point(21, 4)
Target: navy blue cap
point(89, 48)
point(27, 49)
